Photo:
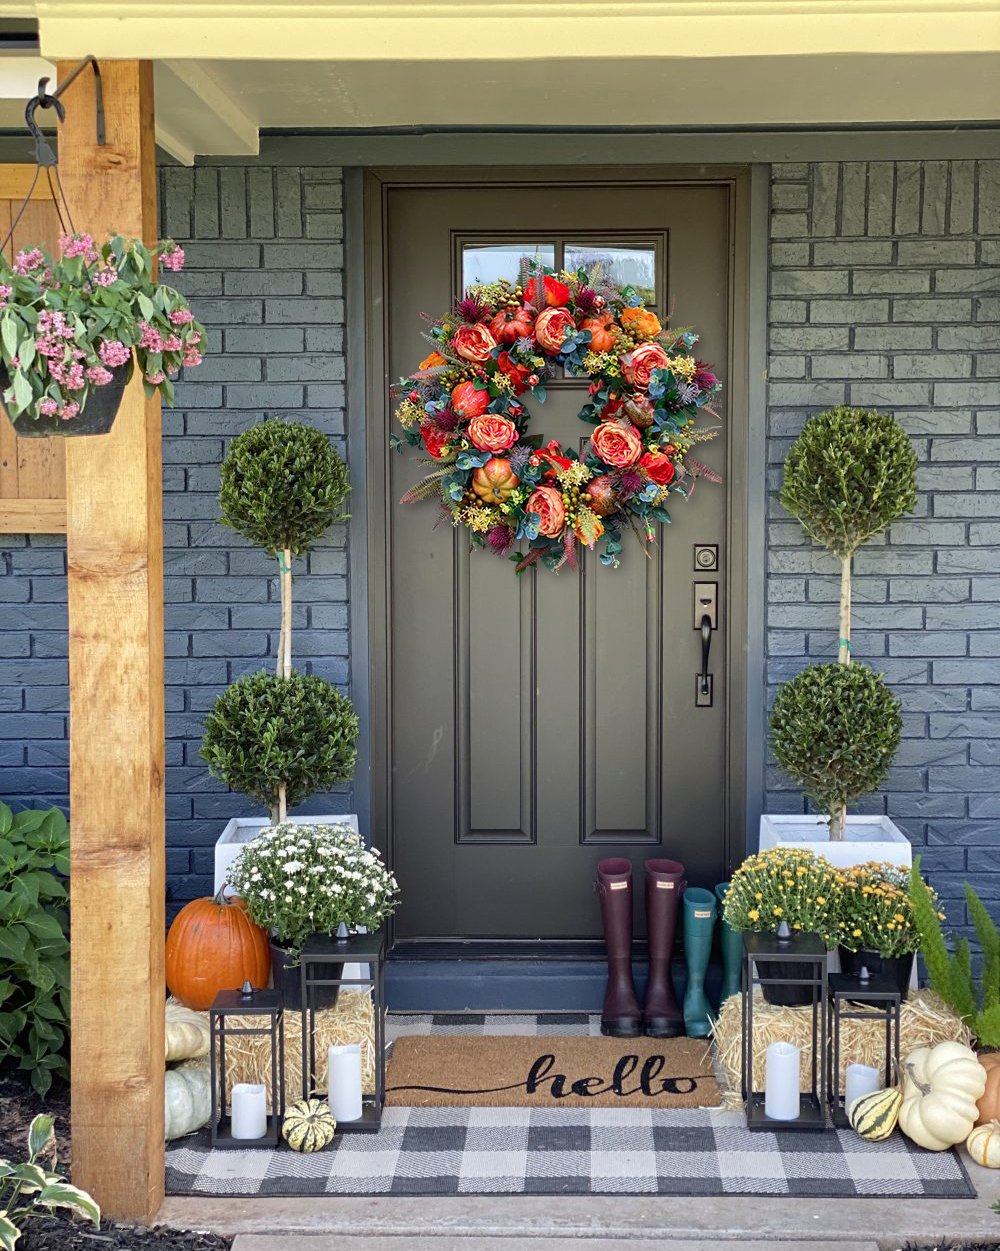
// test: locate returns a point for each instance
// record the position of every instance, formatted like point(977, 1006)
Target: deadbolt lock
point(706, 557)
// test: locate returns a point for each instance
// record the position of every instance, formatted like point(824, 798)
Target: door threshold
point(584, 950)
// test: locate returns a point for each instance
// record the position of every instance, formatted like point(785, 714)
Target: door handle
point(706, 647)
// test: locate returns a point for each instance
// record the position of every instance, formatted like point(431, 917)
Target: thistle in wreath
point(464, 407)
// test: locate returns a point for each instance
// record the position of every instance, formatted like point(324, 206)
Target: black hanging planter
point(96, 417)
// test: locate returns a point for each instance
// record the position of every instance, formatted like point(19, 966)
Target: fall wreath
point(464, 407)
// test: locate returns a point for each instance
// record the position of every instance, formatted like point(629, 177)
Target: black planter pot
point(786, 996)
point(898, 969)
point(96, 417)
point(286, 977)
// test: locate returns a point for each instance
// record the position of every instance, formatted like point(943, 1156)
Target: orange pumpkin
point(213, 945)
point(602, 338)
point(989, 1104)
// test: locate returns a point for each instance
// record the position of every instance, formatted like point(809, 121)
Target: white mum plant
point(299, 880)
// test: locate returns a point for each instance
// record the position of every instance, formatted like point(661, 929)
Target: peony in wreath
point(464, 407)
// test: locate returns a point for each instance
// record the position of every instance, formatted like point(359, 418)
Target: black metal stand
point(368, 950)
point(872, 998)
point(265, 1004)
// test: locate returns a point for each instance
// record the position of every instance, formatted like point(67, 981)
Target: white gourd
point(185, 1032)
point(983, 1144)
point(187, 1098)
point(940, 1087)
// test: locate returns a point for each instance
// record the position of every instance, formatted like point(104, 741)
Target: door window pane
point(489, 262)
point(624, 266)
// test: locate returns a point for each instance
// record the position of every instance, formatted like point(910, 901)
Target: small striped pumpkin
point(874, 1116)
point(309, 1125)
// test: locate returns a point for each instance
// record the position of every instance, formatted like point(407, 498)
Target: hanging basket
point(97, 415)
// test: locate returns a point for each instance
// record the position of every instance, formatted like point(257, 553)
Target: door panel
point(536, 724)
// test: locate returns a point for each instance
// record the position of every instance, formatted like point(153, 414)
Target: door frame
point(367, 390)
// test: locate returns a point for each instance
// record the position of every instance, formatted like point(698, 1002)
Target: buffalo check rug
point(529, 1150)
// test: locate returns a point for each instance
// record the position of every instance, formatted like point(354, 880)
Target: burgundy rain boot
point(664, 888)
point(620, 1016)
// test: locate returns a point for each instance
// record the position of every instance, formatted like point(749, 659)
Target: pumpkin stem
point(923, 1087)
point(220, 897)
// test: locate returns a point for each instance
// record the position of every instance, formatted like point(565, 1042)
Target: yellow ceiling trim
point(476, 31)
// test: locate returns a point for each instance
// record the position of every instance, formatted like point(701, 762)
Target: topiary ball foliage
point(282, 485)
point(264, 730)
point(835, 729)
point(849, 474)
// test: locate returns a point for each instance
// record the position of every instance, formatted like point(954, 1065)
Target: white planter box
point(868, 838)
point(241, 830)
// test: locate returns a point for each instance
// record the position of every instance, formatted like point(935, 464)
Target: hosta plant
point(835, 728)
point(785, 884)
point(299, 880)
point(34, 951)
point(69, 324)
point(950, 970)
point(29, 1189)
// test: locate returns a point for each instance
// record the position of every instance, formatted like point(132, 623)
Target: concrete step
point(451, 1242)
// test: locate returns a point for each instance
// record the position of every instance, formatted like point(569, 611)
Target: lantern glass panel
point(235, 1014)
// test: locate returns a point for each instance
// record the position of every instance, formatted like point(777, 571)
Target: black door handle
point(706, 647)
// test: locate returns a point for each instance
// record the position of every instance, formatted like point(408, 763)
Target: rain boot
point(620, 1016)
point(699, 924)
point(662, 1016)
point(732, 950)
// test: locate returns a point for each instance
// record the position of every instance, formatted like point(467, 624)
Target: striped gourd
point(874, 1116)
point(309, 1125)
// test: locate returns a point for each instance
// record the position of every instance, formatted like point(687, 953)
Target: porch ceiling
point(226, 68)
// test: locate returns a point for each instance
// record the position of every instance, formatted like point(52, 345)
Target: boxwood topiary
point(282, 486)
point(849, 474)
point(266, 732)
point(835, 728)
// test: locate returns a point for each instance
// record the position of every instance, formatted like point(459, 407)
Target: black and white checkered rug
point(683, 1151)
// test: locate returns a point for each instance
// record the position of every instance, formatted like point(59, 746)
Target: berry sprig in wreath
point(464, 406)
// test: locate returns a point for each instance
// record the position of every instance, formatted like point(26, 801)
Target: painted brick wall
point(884, 283)
point(265, 274)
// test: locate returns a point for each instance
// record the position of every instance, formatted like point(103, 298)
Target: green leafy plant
point(272, 737)
point(849, 474)
point(950, 971)
point(835, 728)
point(67, 324)
point(785, 884)
point(29, 1188)
point(298, 880)
point(279, 739)
point(34, 951)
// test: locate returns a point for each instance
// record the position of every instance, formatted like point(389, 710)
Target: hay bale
point(351, 1020)
point(924, 1021)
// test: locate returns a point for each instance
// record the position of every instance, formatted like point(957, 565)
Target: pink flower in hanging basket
point(99, 376)
point(180, 316)
point(28, 259)
point(79, 245)
point(113, 353)
point(172, 257)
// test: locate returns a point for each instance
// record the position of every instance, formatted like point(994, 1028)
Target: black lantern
point(251, 1006)
point(322, 965)
point(785, 960)
point(861, 997)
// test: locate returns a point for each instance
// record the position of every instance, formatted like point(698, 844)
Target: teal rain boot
point(732, 950)
point(699, 925)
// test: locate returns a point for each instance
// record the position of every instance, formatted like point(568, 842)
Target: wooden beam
point(114, 527)
point(32, 516)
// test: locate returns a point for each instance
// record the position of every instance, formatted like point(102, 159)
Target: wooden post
point(115, 551)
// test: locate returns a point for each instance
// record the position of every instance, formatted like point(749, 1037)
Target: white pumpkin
point(186, 1032)
point(983, 1144)
point(187, 1098)
point(940, 1087)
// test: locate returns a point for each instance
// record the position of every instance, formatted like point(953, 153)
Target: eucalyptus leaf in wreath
point(849, 474)
point(266, 732)
point(835, 728)
point(283, 484)
point(34, 951)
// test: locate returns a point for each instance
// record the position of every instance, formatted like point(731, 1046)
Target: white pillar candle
point(861, 1080)
point(249, 1111)
point(781, 1082)
point(344, 1081)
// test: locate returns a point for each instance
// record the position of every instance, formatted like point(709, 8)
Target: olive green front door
point(526, 727)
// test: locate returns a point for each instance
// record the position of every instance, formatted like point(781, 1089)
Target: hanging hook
point(46, 100)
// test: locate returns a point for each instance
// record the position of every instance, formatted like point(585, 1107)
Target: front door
point(536, 724)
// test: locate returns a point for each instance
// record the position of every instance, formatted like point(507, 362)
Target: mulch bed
point(18, 1105)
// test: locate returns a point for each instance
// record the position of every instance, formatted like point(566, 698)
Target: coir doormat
point(573, 1151)
point(551, 1072)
